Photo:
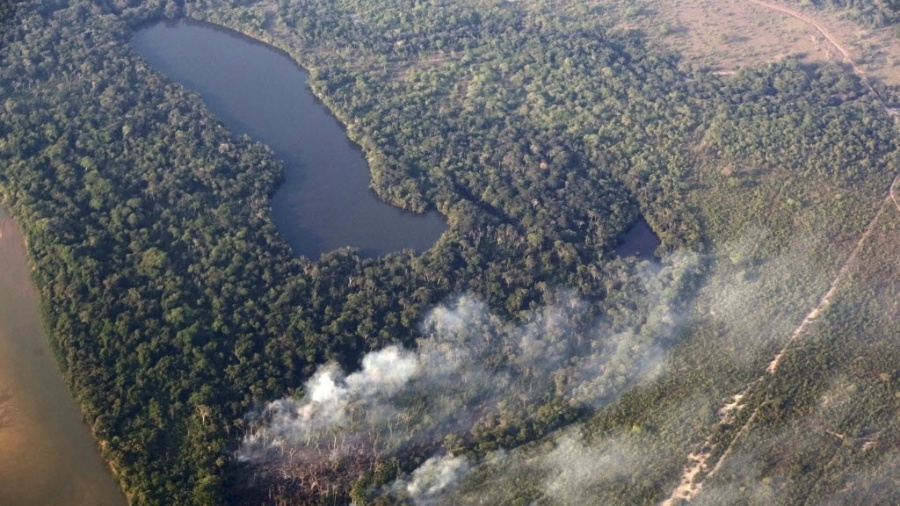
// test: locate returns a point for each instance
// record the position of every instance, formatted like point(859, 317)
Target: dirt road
point(695, 473)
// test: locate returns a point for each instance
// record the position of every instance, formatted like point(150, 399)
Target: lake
point(324, 202)
point(639, 242)
point(47, 454)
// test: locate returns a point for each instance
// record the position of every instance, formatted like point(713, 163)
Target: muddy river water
point(47, 454)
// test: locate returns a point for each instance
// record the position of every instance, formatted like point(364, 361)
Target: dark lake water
point(639, 241)
point(325, 201)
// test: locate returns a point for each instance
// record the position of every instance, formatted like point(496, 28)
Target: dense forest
point(178, 314)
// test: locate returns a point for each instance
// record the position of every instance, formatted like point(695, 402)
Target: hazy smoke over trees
point(432, 478)
point(473, 382)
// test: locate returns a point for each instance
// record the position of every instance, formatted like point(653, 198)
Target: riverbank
point(47, 454)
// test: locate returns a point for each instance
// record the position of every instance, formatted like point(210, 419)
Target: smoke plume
point(433, 478)
point(470, 375)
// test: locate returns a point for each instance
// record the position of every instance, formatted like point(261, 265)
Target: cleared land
point(733, 34)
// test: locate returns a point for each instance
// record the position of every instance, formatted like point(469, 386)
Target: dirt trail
point(834, 42)
point(896, 204)
point(693, 477)
point(830, 38)
point(826, 299)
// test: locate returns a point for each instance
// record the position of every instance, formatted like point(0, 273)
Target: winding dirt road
point(695, 473)
point(790, 12)
point(831, 39)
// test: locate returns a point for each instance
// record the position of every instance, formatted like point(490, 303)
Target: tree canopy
point(175, 307)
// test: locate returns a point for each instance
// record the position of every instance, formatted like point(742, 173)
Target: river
point(47, 454)
point(325, 201)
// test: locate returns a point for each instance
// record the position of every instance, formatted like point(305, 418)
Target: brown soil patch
point(726, 35)
point(731, 34)
point(734, 33)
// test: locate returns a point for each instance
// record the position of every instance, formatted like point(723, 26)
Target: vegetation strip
point(694, 475)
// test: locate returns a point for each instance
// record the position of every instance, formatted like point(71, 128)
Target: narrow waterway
point(325, 201)
point(47, 454)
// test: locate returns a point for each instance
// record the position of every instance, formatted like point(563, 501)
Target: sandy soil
point(727, 35)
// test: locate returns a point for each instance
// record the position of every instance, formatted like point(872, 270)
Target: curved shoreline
point(325, 200)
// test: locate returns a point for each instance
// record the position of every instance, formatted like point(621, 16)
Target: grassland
point(733, 34)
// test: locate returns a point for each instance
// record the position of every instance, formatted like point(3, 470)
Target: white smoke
point(334, 402)
point(576, 465)
point(566, 470)
point(470, 366)
point(433, 478)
